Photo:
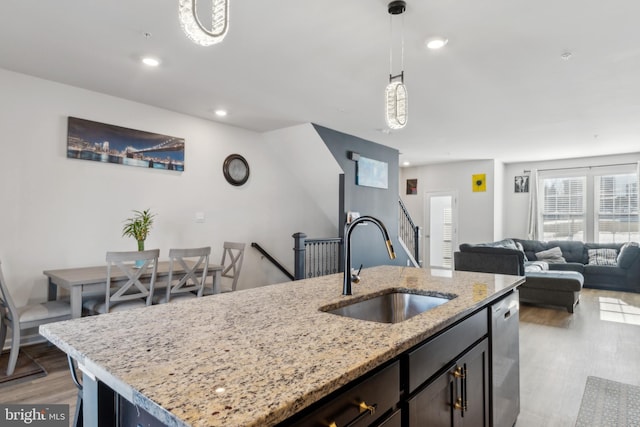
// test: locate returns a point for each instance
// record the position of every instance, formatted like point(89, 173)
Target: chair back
point(133, 288)
point(191, 265)
point(232, 261)
point(7, 307)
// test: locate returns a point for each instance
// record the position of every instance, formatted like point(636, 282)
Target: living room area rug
point(26, 369)
point(609, 403)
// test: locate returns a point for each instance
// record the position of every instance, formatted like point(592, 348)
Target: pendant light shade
point(396, 94)
point(193, 28)
point(396, 102)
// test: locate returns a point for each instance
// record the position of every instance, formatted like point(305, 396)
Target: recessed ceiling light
point(221, 113)
point(151, 62)
point(437, 42)
point(406, 164)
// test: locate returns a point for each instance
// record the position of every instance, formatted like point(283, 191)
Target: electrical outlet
point(199, 216)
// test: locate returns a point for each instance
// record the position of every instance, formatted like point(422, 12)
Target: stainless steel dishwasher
point(505, 353)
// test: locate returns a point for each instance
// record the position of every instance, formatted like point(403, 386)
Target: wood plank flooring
point(558, 350)
point(55, 388)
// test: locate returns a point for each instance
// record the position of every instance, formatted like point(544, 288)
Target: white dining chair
point(136, 290)
point(187, 273)
point(232, 258)
point(28, 316)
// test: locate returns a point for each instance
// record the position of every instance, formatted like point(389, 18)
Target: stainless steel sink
point(392, 307)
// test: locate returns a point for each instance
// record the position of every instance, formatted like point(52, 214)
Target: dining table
point(81, 281)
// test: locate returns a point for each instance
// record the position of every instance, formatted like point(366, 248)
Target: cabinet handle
point(460, 373)
point(365, 410)
point(463, 381)
point(458, 404)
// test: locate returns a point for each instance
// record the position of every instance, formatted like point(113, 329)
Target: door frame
point(426, 247)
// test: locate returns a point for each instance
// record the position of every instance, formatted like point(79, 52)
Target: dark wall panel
point(367, 243)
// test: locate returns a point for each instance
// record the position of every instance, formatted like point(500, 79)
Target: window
point(564, 208)
point(617, 208)
point(597, 204)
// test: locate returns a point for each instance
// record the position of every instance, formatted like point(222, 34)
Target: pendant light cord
point(402, 44)
point(391, 46)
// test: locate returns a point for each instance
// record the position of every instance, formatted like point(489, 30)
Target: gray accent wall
point(367, 242)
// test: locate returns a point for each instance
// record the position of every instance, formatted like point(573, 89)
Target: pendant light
point(193, 28)
point(396, 91)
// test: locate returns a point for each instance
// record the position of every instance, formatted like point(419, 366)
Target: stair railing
point(316, 257)
point(273, 260)
point(409, 234)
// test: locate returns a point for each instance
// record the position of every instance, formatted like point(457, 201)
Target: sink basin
point(391, 307)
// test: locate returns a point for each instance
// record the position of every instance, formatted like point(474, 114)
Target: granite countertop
point(255, 357)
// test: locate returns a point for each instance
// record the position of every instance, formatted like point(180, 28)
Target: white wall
point(516, 204)
point(498, 202)
point(59, 212)
point(308, 160)
point(475, 209)
point(500, 212)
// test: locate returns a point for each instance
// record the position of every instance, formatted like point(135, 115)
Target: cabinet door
point(459, 397)
point(433, 406)
point(394, 420)
point(475, 387)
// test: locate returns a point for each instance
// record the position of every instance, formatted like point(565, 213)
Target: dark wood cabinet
point(365, 403)
point(458, 397)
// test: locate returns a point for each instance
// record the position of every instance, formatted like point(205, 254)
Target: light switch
point(199, 216)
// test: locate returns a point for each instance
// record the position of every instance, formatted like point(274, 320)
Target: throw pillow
point(552, 256)
point(628, 254)
point(521, 249)
point(603, 256)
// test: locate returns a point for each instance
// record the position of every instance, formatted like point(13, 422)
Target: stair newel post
point(299, 255)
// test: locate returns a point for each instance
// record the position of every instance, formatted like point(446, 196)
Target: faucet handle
point(355, 277)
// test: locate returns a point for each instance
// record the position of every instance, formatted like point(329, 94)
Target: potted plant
point(138, 226)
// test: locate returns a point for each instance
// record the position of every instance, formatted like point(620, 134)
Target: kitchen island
point(259, 356)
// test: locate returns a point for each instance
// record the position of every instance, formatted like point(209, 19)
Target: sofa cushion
point(578, 267)
point(628, 254)
point(572, 251)
point(488, 248)
point(555, 280)
point(531, 247)
point(531, 266)
point(603, 256)
point(552, 256)
point(608, 270)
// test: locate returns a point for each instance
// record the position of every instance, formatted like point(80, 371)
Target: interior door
point(441, 229)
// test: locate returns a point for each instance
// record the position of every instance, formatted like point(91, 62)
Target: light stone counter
point(271, 349)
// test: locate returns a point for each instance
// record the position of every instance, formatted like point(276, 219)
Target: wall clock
point(235, 169)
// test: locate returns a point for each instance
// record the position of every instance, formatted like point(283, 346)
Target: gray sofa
point(614, 266)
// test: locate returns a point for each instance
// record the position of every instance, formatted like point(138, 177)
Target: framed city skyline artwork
point(101, 142)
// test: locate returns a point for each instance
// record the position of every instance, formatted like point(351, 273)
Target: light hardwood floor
point(55, 388)
point(558, 350)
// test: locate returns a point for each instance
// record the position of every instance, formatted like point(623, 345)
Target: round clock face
point(236, 169)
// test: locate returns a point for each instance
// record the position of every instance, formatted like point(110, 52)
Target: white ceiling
point(499, 89)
